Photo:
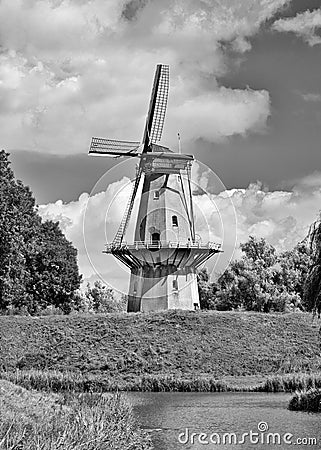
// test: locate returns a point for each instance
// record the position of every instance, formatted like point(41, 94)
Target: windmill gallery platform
point(164, 254)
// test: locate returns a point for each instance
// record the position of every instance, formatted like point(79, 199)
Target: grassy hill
point(173, 343)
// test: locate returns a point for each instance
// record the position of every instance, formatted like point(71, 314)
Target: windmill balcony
point(176, 255)
point(137, 245)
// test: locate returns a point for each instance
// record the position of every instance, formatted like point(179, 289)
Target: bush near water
point(309, 400)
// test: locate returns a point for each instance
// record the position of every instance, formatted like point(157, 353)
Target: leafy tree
point(259, 251)
point(206, 290)
point(100, 298)
point(261, 280)
point(293, 270)
point(248, 283)
point(18, 222)
point(312, 287)
point(38, 266)
point(53, 270)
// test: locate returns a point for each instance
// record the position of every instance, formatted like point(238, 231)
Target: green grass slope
point(175, 343)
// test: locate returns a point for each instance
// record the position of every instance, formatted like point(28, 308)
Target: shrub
point(306, 401)
point(99, 298)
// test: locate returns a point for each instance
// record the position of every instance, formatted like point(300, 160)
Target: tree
point(294, 266)
point(100, 298)
point(18, 222)
point(206, 290)
point(259, 251)
point(248, 282)
point(38, 266)
point(261, 280)
point(312, 286)
point(53, 270)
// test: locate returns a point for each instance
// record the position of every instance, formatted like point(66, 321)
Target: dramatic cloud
point(73, 69)
point(282, 217)
point(306, 25)
point(230, 111)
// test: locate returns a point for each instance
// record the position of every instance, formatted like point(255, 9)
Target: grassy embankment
point(32, 420)
point(175, 350)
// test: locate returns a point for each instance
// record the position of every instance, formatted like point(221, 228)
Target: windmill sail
point(113, 148)
point(129, 208)
point(154, 123)
point(157, 107)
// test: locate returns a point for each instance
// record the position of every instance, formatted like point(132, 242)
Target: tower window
point(174, 221)
point(156, 195)
point(175, 285)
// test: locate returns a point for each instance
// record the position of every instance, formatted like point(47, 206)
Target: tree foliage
point(312, 287)
point(261, 280)
point(99, 298)
point(38, 265)
point(206, 290)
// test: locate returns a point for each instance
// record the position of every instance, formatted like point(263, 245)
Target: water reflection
point(167, 415)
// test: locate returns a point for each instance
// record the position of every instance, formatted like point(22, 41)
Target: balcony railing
point(137, 245)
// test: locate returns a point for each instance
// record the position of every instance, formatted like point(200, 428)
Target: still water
point(171, 418)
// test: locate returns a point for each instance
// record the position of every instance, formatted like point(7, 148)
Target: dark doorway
point(155, 238)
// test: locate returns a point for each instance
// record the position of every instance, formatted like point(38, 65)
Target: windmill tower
point(164, 254)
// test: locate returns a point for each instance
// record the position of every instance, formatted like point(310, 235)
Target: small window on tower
point(156, 195)
point(174, 221)
point(175, 285)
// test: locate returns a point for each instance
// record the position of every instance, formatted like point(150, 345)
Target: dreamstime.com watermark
point(259, 437)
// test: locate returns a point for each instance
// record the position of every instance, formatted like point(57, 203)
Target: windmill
point(165, 254)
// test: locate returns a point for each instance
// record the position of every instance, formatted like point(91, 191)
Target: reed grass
point(55, 381)
point(67, 422)
point(292, 382)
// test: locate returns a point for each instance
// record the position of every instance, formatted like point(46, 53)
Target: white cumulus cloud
point(282, 217)
point(305, 25)
point(221, 113)
point(73, 69)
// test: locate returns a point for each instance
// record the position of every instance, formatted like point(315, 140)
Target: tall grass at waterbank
point(292, 382)
point(309, 400)
point(55, 381)
point(31, 420)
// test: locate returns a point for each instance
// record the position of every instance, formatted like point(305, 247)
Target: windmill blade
point(157, 107)
point(113, 148)
point(160, 105)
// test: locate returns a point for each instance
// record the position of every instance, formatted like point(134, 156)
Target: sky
point(245, 97)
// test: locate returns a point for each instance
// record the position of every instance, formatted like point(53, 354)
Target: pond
point(249, 420)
